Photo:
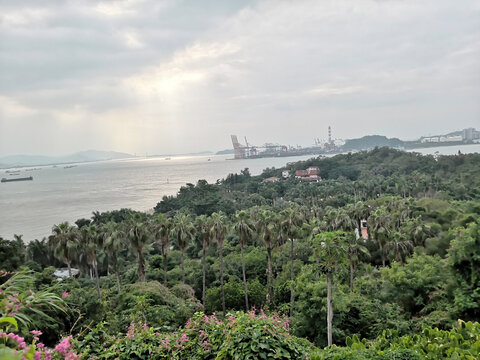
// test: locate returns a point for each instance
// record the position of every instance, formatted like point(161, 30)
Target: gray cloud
point(175, 76)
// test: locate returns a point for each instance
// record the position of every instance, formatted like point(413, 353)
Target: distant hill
point(83, 156)
point(225, 152)
point(372, 141)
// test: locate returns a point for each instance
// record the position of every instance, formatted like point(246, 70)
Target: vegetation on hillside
point(195, 271)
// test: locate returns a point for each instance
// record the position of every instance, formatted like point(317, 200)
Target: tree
point(163, 228)
point(464, 258)
point(202, 227)
point(139, 236)
point(92, 239)
point(265, 226)
point(114, 243)
point(244, 231)
point(64, 241)
point(399, 245)
point(291, 222)
point(380, 221)
point(183, 233)
point(329, 248)
point(218, 230)
point(355, 249)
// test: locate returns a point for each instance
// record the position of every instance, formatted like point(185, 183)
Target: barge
point(17, 179)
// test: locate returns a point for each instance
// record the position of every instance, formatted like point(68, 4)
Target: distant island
point(225, 152)
point(39, 160)
point(372, 141)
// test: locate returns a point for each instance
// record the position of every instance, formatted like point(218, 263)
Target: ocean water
point(59, 194)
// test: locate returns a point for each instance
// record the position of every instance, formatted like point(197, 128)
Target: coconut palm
point(38, 251)
point(115, 242)
point(138, 235)
point(218, 230)
point(162, 231)
point(244, 230)
point(64, 242)
point(380, 221)
point(202, 229)
point(329, 248)
point(355, 249)
point(398, 244)
point(290, 225)
point(183, 233)
point(91, 240)
point(265, 226)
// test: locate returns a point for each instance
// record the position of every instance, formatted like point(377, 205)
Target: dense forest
point(377, 258)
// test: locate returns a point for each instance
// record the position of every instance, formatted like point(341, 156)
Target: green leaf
point(10, 320)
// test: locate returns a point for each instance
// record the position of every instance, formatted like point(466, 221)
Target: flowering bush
point(17, 304)
point(239, 336)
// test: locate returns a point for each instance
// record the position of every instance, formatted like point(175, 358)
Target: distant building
point(364, 229)
point(272, 179)
point(285, 174)
point(470, 134)
point(311, 174)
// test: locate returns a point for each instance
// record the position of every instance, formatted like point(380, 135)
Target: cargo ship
point(17, 179)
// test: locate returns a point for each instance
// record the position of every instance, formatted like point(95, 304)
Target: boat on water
point(17, 179)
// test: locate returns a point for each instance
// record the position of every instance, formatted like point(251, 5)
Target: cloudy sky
point(172, 76)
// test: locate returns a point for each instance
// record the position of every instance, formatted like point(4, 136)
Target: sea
point(70, 192)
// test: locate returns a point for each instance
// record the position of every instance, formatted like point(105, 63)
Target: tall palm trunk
point(165, 268)
point(95, 268)
point(141, 266)
point(203, 273)
point(181, 265)
point(244, 279)
point(69, 268)
point(221, 277)
point(329, 310)
point(292, 276)
point(352, 269)
point(117, 277)
point(269, 275)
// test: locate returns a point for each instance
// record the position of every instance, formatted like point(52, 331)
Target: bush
point(239, 336)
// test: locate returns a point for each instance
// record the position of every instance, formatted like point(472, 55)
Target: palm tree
point(92, 239)
point(398, 244)
point(265, 227)
point(183, 233)
point(39, 252)
point(354, 249)
point(202, 227)
point(244, 231)
point(291, 222)
point(114, 243)
point(357, 212)
point(163, 227)
point(139, 236)
point(219, 226)
point(329, 248)
point(380, 221)
point(419, 231)
point(64, 242)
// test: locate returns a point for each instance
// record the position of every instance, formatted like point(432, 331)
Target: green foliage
point(12, 254)
point(461, 342)
point(464, 257)
point(238, 336)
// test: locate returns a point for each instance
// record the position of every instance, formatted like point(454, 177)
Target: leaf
point(10, 320)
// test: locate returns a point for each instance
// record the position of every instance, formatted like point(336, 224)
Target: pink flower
point(65, 294)
point(36, 332)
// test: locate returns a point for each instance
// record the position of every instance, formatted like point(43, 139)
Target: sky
point(172, 76)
